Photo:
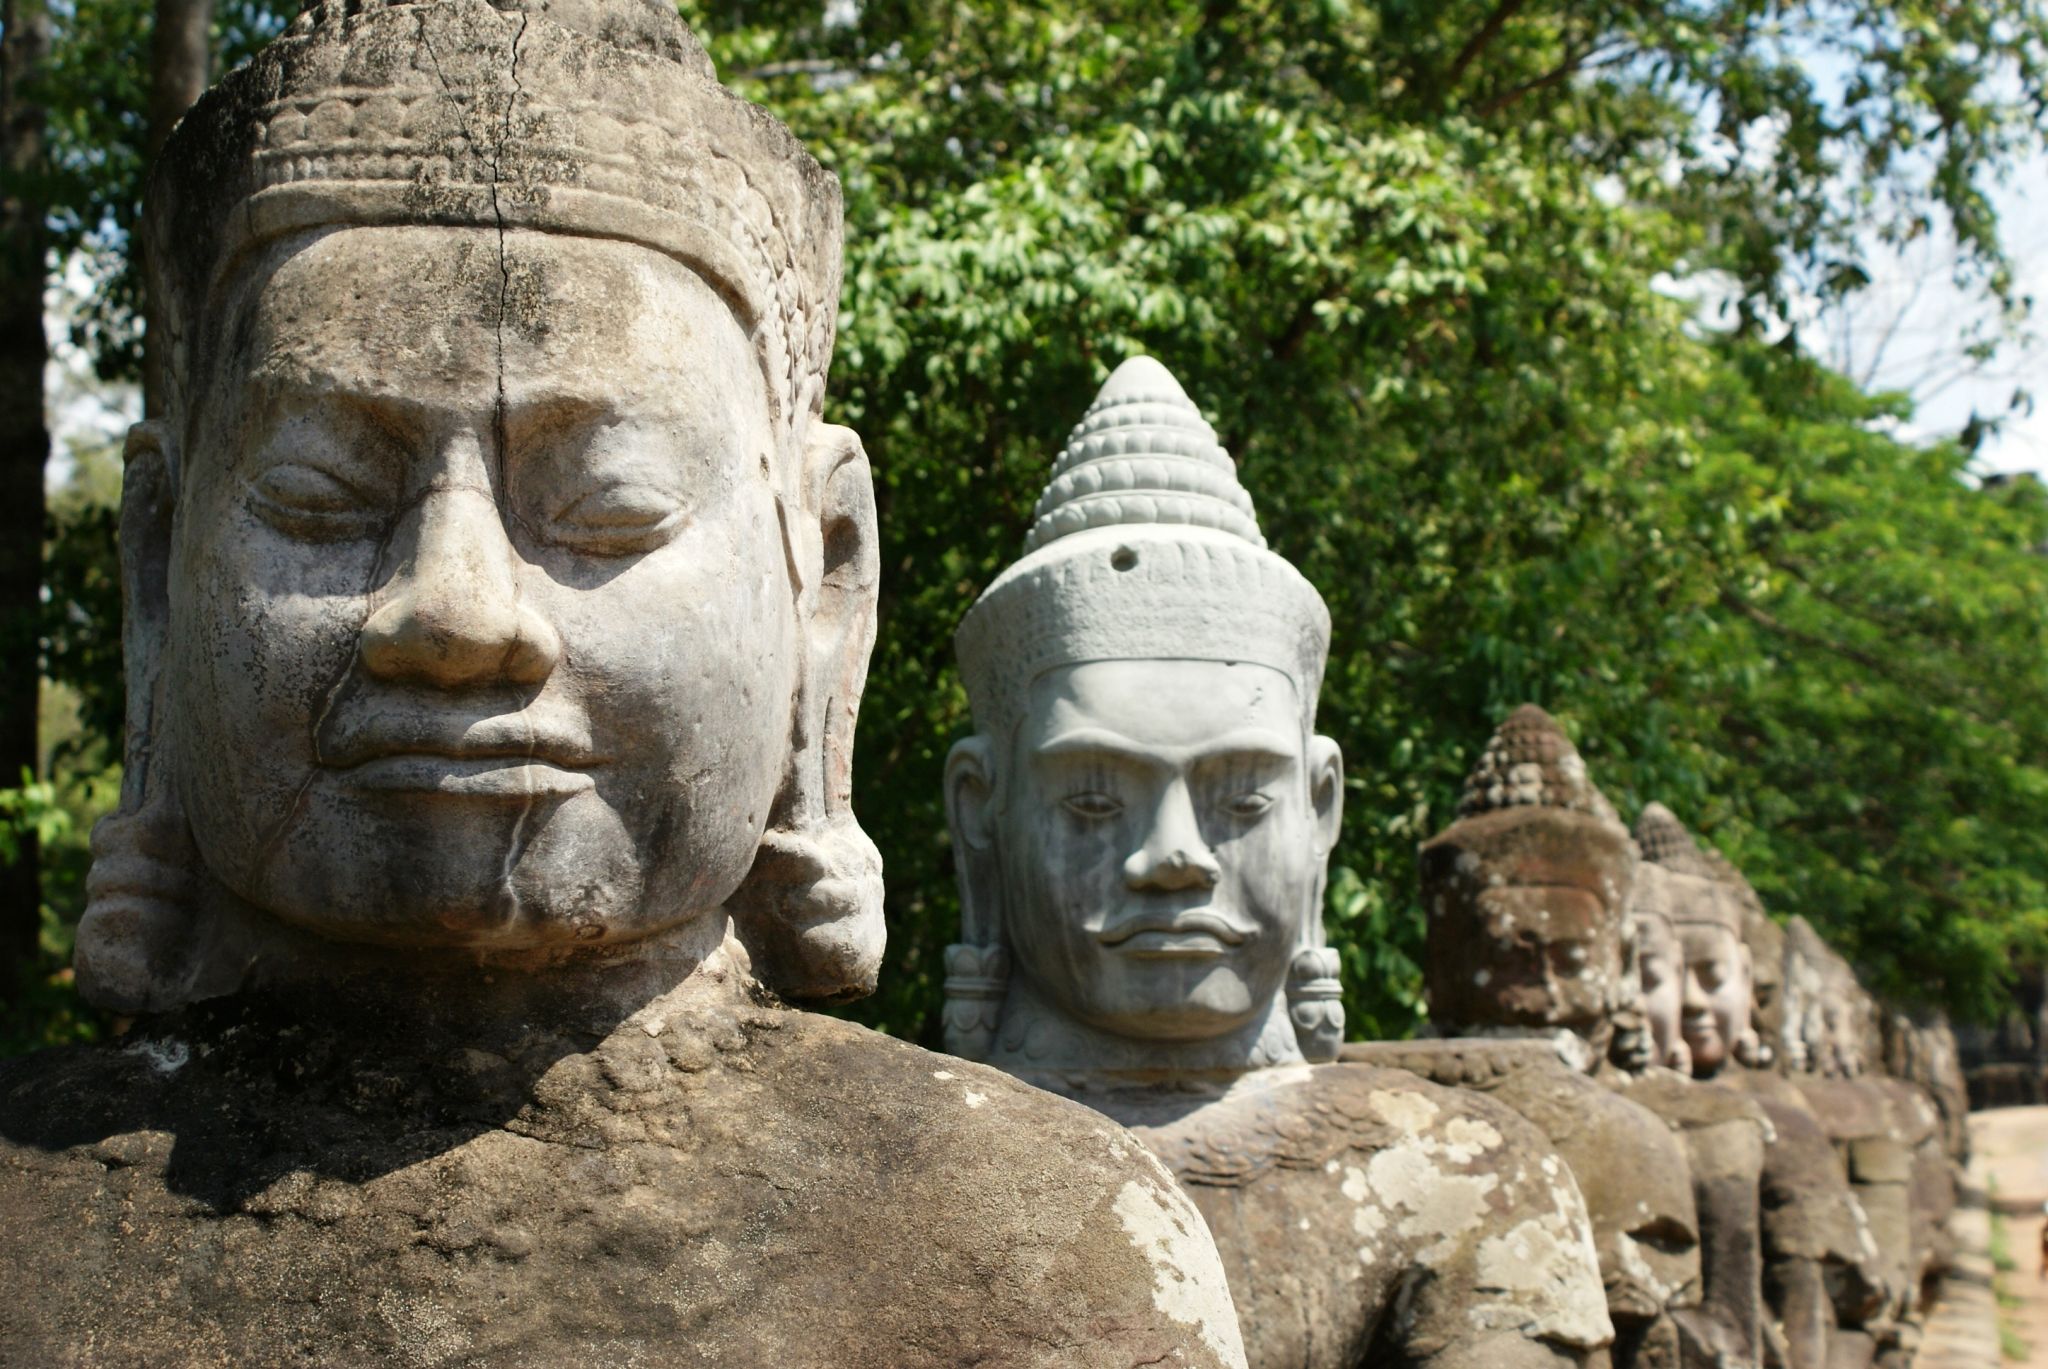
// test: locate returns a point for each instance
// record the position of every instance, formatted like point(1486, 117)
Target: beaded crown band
point(598, 118)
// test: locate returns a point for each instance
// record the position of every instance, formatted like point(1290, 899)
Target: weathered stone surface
point(1724, 1133)
point(1367, 1218)
point(1822, 1277)
point(1526, 894)
point(1630, 1167)
point(498, 607)
point(717, 1181)
point(1141, 826)
point(1530, 896)
point(1823, 1274)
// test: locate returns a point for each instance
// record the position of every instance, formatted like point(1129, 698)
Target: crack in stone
point(493, 156)
point(504, 302)
point(515, 842)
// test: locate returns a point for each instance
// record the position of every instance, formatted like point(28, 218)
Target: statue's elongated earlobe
point(810, 910)
point(135, 943)
point(978, 965)
point(1315, 991)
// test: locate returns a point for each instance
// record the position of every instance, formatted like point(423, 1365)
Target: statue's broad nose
point(454, 616)
point(1174, 855)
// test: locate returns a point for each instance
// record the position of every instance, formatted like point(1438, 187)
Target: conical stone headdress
point(1530, 762)
point(1666, 841)
point(1144, 546)
point(1529, 814)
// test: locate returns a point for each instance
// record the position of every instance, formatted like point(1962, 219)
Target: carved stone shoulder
point(1444, 1202)
point(1692, 1103)
point(1455, 1062)
point(657, 1193)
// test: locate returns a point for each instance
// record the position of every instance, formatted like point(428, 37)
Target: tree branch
point(1478, 42)
point(1592, 56)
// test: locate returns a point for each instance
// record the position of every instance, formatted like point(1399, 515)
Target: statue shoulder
point(1082, 1234)
point(1505, 1228)
point(1692, 1103)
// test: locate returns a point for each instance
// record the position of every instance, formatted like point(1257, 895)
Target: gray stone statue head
point(494, 587)
point(1708, 917)
point(1142, 821)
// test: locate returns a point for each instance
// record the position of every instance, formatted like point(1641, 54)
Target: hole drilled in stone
point(1123, 558)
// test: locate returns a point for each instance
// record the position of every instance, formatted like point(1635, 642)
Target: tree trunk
point(24, 440)
point(180, 61)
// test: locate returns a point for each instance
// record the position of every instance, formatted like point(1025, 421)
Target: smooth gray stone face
point(1152, 842)
point(1141, 825)
point(502, 590)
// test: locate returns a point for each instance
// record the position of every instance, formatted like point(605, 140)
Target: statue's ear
point(970, 818)
point(978, 965)
point(1326, 791)
point(1315, 993)
point(810, 910)
point(135, 944)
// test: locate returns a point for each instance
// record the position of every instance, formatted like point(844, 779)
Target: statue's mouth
point(1194, 932)
point(506, 758)
point(506, 777)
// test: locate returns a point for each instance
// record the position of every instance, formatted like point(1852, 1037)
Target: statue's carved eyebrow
point(402, 412)
point(1255, 743)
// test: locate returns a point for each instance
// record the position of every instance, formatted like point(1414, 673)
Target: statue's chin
point(1215, 1012)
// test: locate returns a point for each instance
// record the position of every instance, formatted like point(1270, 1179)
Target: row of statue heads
point(1148, 616)
point(498, 606)
point(1145, 578)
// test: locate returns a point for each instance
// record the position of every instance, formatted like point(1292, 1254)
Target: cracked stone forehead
point(597, 118)
point(1530, 762)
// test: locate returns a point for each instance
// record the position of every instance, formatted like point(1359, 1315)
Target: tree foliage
point(1412, 260)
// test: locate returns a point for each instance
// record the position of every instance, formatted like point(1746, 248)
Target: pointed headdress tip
point(1142, 455)
point(1530, 763)
point(1667, 842)
point(1144, 546)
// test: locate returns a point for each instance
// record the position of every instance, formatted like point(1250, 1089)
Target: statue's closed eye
point(625, 519)
point(1092, 805)
point(309, 501)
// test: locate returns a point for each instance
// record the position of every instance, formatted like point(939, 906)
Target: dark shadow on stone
point(250, 1090)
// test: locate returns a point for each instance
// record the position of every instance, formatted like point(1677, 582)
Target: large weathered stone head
point(493, 584)
point(1527, 894)
point(1708, 915)
point(1142, 819)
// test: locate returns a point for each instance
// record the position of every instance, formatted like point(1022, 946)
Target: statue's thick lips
point(511, 756)
point(1193, 933)
point(502, 777)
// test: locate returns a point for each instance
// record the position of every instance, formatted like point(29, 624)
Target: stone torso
point(1366, 1217)
point(714, 1182)
point(1821, 1262)
point(1630, 1168)
point(1723, 1131)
